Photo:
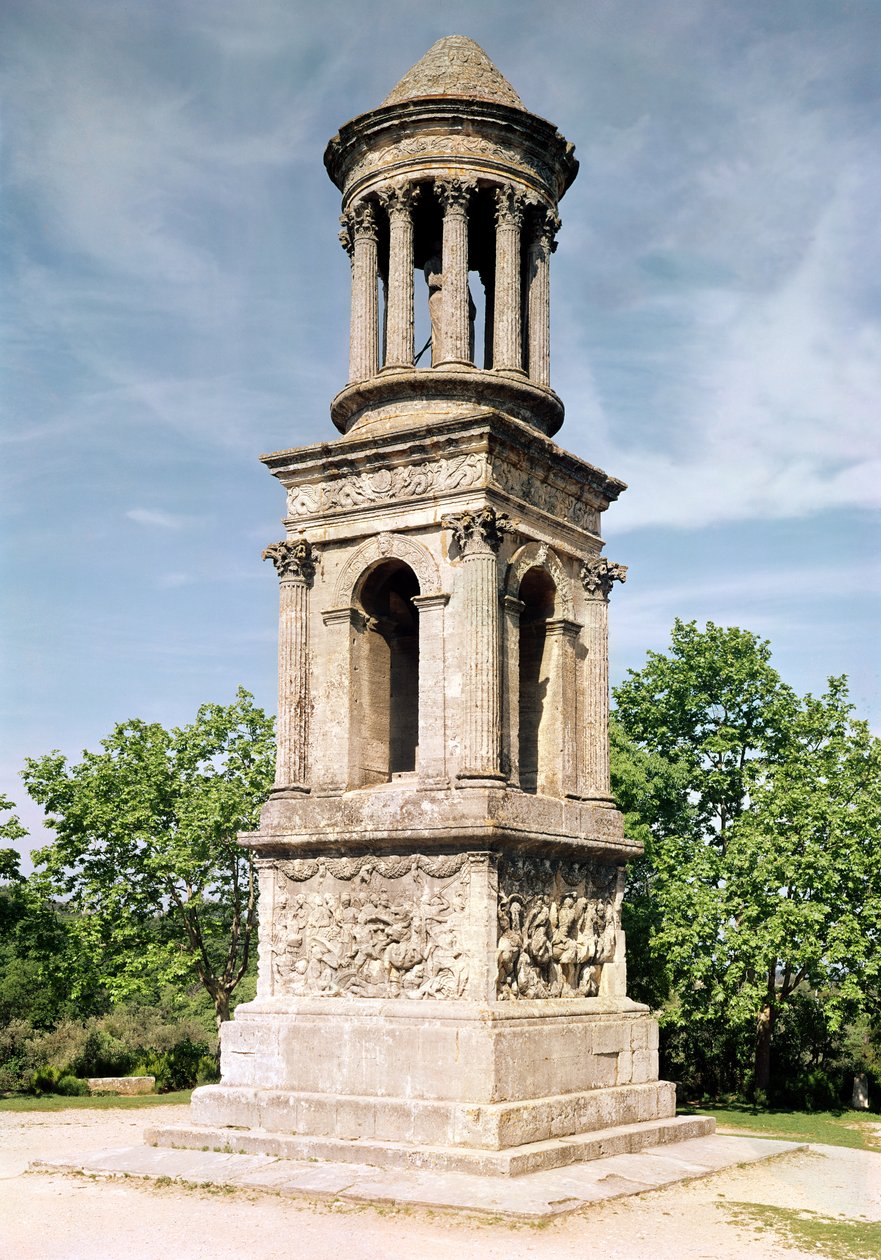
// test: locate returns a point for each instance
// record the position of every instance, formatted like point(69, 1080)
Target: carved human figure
point(434, 278)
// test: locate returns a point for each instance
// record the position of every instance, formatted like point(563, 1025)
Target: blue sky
point(177, 302)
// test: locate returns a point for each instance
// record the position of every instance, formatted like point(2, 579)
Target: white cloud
point(160, 520)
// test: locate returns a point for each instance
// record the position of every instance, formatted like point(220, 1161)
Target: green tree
point(765, 878)
point(145, 853)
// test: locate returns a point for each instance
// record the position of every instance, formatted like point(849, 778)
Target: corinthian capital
point(478, 532)
point(346, 238)
point(398, 198)
point(293, 558)
point(360, 220)
point(597, 575)
point(454, 193)
point(545, 226)
point(510, 206)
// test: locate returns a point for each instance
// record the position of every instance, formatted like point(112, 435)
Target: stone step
point(430, 1122)
point(528, 1158)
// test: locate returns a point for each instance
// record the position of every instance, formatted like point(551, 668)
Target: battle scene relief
point(376, 927)
point(558, 924)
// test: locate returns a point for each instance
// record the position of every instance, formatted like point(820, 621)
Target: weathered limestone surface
point(442, 970)
point(128, 1085)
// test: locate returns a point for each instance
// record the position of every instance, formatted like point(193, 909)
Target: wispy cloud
point(160, 520)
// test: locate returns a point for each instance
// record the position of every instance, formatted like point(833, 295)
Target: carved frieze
point(374, 927)
point(556, 501)
point(432, 146)
point(409, 481)
point(558, 923)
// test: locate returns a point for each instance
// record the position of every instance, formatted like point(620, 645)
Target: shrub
point(72, 1087)
point(176, 1068)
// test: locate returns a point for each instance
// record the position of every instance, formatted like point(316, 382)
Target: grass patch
point(834, 1128)
point(839, 1238)
point(97, 1102)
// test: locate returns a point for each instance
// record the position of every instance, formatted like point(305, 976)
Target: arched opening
point(385, 712)
point(537, 724)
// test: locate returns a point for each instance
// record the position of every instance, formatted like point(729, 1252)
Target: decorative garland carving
point(418, 557)
point(539, 555)
point(382, 927)
point(410, 481)
point(556, 501)
point(433, 146)
point(558, 924)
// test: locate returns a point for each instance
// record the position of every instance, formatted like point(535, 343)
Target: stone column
point(545, 225)
point(363, 342)
point(398, 201)
point(507, 338)
point(597, 576)
point(478, 536)
point(511, 691)
point(295, 564)
point(431, 754)
point(564, 635)
point(454, 195)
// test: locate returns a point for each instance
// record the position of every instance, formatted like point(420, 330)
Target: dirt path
point(58, 1217)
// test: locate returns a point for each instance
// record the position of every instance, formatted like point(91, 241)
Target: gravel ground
point(71, 1217)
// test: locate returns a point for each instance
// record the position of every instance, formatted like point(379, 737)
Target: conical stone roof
point(455, 66)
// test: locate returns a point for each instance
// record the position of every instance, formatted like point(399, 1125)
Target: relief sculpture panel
point(558, 924)
point(383, 927)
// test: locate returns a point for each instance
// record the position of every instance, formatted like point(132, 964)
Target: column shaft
point(597, 576)
point(507, 341)
point(290, 762)
point(480, 690)
point(295, 564)
point(363, 343)
point(538, 318)
point(511, 691)
point(454, 195)
point(399, 303)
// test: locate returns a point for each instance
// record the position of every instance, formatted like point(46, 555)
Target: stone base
point(535, 1196)
point(506, 1088)
point(529, 1157)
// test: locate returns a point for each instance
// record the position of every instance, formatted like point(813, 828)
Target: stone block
point(126, 1085)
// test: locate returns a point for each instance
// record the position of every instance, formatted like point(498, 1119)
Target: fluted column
point(478, 536)
point(360, 225)
point(507, 333)
point(294, 562)
point(545, 225)
point(454, 195)
point(398, 201)
point(511, 690)
point(597, 576)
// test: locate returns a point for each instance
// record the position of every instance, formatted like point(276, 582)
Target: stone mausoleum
point(442, 975)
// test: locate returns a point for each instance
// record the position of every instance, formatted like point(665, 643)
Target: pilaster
point(295, 565)
point(597, 576)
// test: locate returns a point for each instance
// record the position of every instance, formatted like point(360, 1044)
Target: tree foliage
point(760, 812)
point(145, 855)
